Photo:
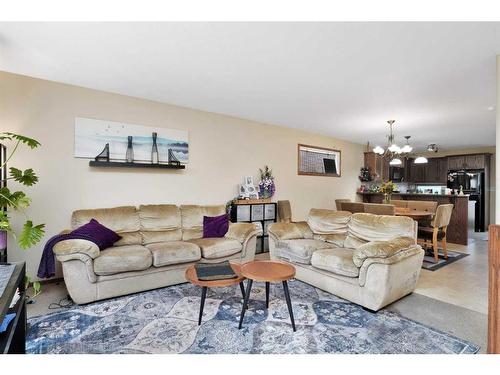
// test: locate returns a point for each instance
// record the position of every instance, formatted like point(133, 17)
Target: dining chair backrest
point(399, 203)
point(428, 206)
point(352, 207)
point(338, 203)
point(284, 212)
point(379, 209)
point(443, 216)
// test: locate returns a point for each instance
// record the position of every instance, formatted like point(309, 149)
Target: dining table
point(414, 214)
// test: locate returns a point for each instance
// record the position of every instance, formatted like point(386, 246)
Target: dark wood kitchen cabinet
point(433, 172)
point(416, 172)
point(378, 166)
point(475, 161)
point(436, 170)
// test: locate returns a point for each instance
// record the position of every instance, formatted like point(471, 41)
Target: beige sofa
point(158, 243)
point(371, 260)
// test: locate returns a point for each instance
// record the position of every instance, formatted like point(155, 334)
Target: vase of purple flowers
point(267, 188)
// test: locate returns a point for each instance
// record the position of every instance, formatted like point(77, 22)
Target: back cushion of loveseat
point(123, 220)
point(192, 219)
point(364, 228)
point(160, 223)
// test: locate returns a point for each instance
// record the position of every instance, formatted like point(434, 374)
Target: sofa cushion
point(94, 231)
point(160, 223)
point(215, 226)
point(337, 240)
point(369, 227)
point(338, 261)
point(174, 252)
point(323, 221)
point(300, 250)
point(381, 249)
point(123, 220)
point(192, 219)
point(213, 248)
point(122, 259)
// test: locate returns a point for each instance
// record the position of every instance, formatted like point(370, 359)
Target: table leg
point(267, 295)
point(202, 304)
point(242, 287)
point(289, 303)
point(245, 301)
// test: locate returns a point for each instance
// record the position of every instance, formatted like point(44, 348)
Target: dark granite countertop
point(421, 194)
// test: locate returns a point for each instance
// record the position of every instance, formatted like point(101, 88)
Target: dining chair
point(437, 230)
point(379, 209)
point(399, 203)
point(338, 203)
point(352, 207)
point(284, 212)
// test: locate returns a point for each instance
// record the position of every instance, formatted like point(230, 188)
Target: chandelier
point(393, 152)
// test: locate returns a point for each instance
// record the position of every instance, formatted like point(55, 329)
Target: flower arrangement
point(388, 187)
point(267, 188)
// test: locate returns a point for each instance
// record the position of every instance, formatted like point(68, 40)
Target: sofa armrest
point(285, 231)
point(381, 249)
point(241, 232)
point(71, 249)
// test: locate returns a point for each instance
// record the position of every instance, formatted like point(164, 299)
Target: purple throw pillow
point(103, 237)
point(215, 226)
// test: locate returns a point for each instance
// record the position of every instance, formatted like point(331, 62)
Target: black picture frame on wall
point(318, 161)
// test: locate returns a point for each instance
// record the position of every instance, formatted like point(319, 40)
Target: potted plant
point(387, 188)
point(267, 188)
point(17, 200)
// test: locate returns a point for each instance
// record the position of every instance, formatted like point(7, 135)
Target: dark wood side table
point(193, 279)
point(269, 272)
point(13, 341)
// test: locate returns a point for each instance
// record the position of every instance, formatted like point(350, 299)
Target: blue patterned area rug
point(165, 321)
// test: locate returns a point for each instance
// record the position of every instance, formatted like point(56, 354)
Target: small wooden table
point(193, 279)
point(414, 214)
point(269, 272)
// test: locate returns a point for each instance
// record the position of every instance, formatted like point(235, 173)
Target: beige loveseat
point(371, 260)
point(158, 243)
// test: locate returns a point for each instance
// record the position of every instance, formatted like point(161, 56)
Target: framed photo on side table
point(318, 161)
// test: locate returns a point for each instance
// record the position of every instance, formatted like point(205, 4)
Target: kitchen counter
point(419, 194)
point(457, 230)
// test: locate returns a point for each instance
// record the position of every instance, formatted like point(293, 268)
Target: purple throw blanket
point(47, 267)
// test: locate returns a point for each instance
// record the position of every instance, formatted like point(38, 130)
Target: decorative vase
point(387, 198)
point(129, 155)
point(267, 188)
point(155, 159)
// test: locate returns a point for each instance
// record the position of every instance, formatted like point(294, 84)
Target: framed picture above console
point(318, 161)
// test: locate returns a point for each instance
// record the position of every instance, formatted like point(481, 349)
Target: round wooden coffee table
point(267, 271)
point(193, 279)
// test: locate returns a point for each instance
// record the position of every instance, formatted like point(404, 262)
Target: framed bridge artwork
point(318, 161)
point(91, 137)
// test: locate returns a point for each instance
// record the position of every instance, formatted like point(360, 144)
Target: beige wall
point(222, 150)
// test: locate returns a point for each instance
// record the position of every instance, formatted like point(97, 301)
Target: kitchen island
point(457, 230)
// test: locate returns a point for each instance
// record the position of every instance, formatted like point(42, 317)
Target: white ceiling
point(437, 80)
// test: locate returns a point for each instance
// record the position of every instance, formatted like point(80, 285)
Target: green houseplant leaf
point(30, 142)
point(30, 234)
point(27, 178)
